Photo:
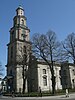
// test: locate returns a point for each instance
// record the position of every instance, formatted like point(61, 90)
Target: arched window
point(45, 80)
point(44, 71)
point(22, 22)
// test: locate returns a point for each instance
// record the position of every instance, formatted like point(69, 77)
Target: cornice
point(19, 26)
point(29, 42)
point(18, 16)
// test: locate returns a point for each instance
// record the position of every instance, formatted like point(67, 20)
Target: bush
point(60, 92)
point(37, 94)
point(32, 94)
point(72, 90)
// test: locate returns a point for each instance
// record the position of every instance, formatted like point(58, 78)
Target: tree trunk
point(23, 85)
point(53, 84)
point(53, 79)
point(23, 80)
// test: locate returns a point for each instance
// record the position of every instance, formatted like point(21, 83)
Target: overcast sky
point(42, 15)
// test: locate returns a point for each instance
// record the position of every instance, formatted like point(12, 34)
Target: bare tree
point(69, 47)
point(46, 46)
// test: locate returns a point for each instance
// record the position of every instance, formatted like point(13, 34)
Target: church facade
point(24, 72)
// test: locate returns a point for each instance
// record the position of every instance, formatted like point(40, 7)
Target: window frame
point(44, 71)
point(44, 80)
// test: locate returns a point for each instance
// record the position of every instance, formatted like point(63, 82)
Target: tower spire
point(20, 11)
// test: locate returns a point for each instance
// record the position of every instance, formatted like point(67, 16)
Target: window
point(44, 71)
point(73, 71)
point(45, 80)
point(22, 22)
point(23, 34)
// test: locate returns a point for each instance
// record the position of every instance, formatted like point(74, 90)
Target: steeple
point(20, 11)
point(20, 18)
point(19, 42)
point(19, 29)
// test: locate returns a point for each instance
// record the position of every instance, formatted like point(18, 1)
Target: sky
point(42, 16)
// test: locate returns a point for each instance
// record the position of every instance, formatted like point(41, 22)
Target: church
point(24, 70)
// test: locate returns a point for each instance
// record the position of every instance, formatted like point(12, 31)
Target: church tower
point(19, 49)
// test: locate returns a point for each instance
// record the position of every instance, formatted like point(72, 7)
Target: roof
point(20, 7)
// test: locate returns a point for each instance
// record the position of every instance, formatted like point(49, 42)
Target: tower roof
point(20, 7)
